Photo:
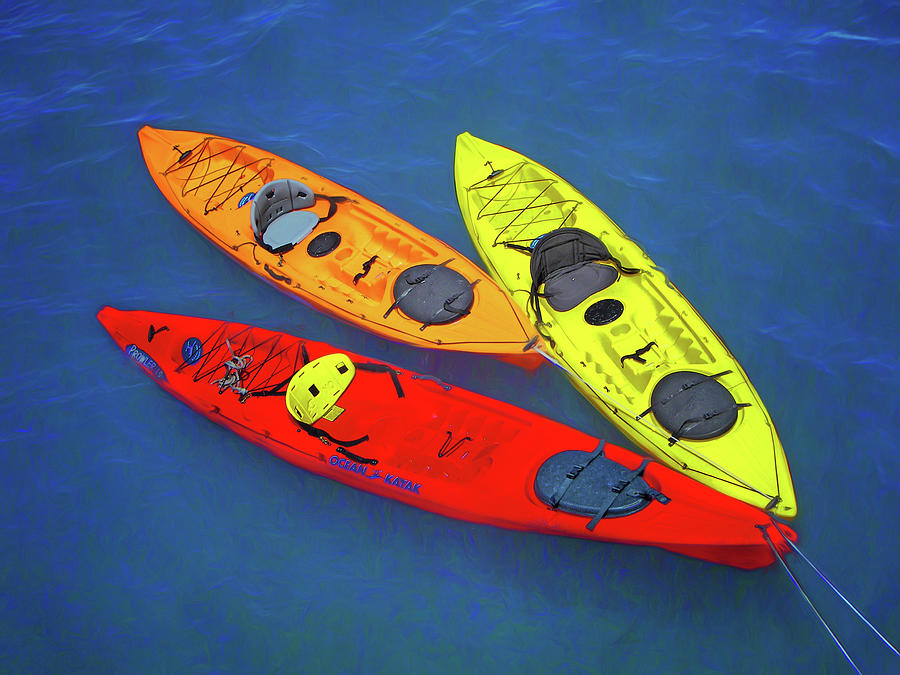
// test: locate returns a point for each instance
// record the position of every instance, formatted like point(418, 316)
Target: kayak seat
point(562, 261)
point(277, 216)
point(570, 286)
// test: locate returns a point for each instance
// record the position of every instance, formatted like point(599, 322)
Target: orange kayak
point(334, 249)
point(432, 445)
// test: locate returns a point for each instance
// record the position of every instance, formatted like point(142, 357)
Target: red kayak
point(441, 448)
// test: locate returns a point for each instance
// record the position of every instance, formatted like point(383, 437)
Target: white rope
point(805, 596)
point(833, 588)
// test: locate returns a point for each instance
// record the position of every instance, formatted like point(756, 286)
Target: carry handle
point(432, 378)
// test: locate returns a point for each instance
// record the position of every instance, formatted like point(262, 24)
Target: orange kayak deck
point(376, 256)
point(438, 447)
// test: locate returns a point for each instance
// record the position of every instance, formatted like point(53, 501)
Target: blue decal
point(246, 198)
point(191, 351)
point(534, 242)
point(142, 358)
point(363, 470)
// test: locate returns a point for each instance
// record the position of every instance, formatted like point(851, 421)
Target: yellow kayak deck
point(617, 343)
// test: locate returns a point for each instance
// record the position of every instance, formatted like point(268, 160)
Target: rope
point(805, 596)
point(837, 592)
point(233, 369)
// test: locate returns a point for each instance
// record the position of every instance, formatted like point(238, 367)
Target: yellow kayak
point(626, 337)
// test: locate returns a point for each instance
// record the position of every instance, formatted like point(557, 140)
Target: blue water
point(753, 151)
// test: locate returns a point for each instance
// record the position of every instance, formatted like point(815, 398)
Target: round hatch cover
point(433, 294)
point(323, 244)
point(603, 312)
point(593, 485)
point(693, 406)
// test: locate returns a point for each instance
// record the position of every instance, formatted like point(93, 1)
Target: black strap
point(684, 388)
point(184, 154)
point(573, 474)
point(447, 449)
point(412, 284)
point(355, 457)
point(272, 273)
point(451, 310)
point(691, 422)
point(154, 330)
point(517, 247)
point(332, 205)
point(383, 368)
point(615, 491)
point(322, 434)
point(271, 391)
point(638, 355)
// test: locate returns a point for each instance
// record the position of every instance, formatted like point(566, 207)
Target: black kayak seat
point(563, 260)
point(278, 217)
point(567, 288)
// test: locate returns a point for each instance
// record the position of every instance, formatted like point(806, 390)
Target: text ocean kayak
point(627, 338)
point(420, 441)
point(333, 248)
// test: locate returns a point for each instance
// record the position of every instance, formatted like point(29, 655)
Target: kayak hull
point(423, 442)
point(355, 274)
point(618, 343)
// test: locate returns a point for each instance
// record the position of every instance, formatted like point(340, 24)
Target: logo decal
point(246, 198)
point(142, 358)
point(363, 470)
point(191, 351)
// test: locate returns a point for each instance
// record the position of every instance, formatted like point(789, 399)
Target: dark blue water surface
point(753, 151)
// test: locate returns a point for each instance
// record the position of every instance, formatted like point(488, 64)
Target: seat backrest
point(282, 200)
point(563, 248)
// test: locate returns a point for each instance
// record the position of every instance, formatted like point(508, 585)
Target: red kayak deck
point(435, 446)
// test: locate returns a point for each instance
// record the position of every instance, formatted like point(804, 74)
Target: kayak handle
point(366, 266)
point(432, 378)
